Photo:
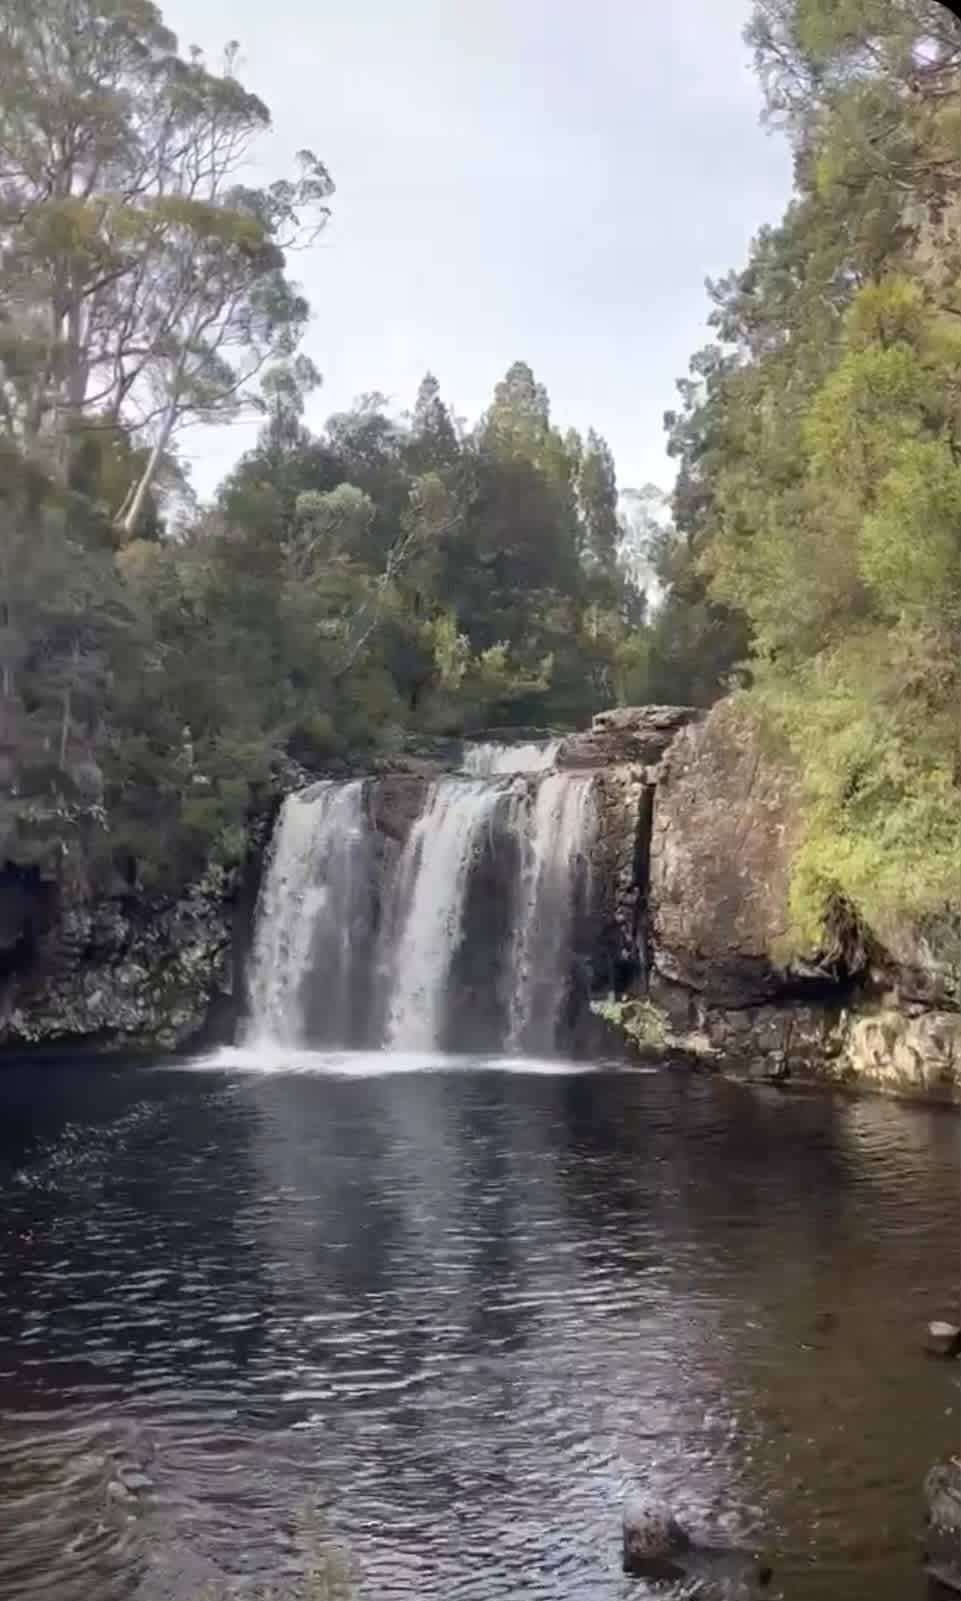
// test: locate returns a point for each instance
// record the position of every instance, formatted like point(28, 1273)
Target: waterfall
point(492, 760)
point(559, 830)
point(466, 939)
point(313, 919)
point(433, 881)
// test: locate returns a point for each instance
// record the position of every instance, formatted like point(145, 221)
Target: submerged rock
point(658, 1548)
point(942, 1534)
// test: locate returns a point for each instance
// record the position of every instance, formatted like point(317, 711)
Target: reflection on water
point(447, 1316)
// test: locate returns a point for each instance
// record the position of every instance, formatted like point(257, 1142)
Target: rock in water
point(656, 1547)
point(944, 1339)
point(653, 1538)
point(942, 1535)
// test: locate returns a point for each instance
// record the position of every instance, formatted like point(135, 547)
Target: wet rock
point(394, 803)
point(652, 1541)
point(944, 1339)
point(942, 1532)
point(129, 970)
point(656, 1547)
point(628, 735)
point(905, 1052)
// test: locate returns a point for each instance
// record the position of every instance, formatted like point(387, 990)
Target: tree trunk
point(131, 512)
point(64, 729)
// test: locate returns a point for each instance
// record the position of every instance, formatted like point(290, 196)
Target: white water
point(310, 904)
point(494, 760)
point(434, 874)
point(330, 969)
point(559, 830)
point(265, 1060)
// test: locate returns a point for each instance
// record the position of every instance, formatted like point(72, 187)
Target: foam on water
point(268, 1059)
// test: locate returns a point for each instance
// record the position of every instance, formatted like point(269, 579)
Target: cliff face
point(123, 971)
point(725, 821)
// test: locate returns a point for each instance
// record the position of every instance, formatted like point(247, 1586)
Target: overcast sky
point(546, 180)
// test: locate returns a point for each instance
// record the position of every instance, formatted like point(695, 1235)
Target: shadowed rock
point(658, 1548)
point(942, 1534)
point(944, 1339)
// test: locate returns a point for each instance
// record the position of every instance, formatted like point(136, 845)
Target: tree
point(597, 500)
point(144, 283)
point(818, 503)
point(433, 444)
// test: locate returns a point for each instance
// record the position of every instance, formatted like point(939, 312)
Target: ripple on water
point(446, 1315)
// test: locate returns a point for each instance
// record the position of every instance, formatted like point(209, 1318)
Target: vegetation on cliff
point(395, 574)
point(817, 512)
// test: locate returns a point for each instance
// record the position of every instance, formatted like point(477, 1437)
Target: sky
point(539, 180)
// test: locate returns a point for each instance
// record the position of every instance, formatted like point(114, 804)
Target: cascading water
point(313, 919)
point(433, 882)
point(557, 834)
point(469, 936)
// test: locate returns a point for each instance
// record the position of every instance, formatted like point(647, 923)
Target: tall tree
point(144, 282)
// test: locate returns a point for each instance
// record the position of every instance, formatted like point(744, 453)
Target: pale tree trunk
point(67, 708)
point(64, 729)
point(131, 511)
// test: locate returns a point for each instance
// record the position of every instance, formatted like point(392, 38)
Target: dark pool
point(431, 1322)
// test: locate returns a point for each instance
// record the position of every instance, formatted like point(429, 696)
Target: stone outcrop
point(712, 916)
point(129, 971)
point(394, 803)
point(724, 826)
point(629, 735)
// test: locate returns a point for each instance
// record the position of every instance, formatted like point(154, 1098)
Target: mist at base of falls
point(470, 938)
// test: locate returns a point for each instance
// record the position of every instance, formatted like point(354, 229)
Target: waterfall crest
point(492, 759)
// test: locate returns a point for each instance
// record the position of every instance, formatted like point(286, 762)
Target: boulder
point(652, 1541)
point(628, 735)
point(656, 1547)
point(905, 1052)
point(726, 820)
point(944, 1339)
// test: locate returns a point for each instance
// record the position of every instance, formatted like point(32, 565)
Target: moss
point(640, 1022)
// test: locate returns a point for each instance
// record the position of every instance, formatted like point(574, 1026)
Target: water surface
point(443, 1314)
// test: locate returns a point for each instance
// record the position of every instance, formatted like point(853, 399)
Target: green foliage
point(819, 488)
point(143, 284)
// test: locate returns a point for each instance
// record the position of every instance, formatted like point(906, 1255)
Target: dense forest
point(408, 574)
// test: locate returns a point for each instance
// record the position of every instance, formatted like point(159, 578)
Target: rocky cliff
point(122, 971)
point(709, 902)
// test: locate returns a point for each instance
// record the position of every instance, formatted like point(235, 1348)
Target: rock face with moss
point(723, 967)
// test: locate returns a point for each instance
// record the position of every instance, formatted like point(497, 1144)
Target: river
point(439, 1315)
